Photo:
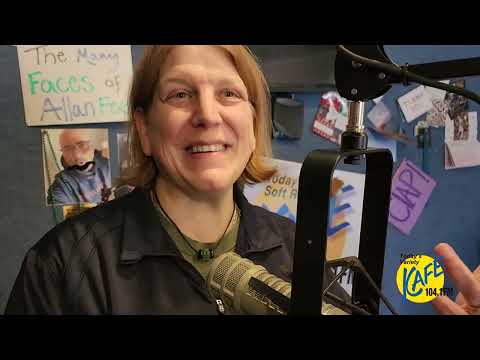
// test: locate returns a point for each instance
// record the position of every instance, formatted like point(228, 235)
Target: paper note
point(415, 103)
point(73, 84)
point(411, 189)
point(341, 122)
point(437, 93)
point(462, 148)
point(379, 115)
point(461, 155)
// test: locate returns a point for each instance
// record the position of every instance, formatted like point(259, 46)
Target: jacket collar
point(143, 234)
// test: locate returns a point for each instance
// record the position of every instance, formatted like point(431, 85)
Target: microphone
point(249, 289)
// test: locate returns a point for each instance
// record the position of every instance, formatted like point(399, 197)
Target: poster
point(73, 84)
point(279, 195)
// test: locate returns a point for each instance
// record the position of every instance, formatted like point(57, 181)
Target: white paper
point(466, 154)
point(379, 115)
point(74, 84)
point(472, 123)
point(341, 122)
point(415, 103)
point(378, 99)
point(319, 126)
point(437, 93)
point(448, 131)
point(461, 151)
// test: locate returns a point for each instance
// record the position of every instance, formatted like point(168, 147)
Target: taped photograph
point(76, 166)
point(456, 103)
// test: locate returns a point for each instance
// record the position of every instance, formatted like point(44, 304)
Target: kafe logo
point(420, 278)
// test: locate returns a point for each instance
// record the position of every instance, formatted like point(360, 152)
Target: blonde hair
point(141, 169)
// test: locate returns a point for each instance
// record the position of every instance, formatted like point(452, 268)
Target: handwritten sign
point(74, 84)
point(411, 189)
point(415, 103)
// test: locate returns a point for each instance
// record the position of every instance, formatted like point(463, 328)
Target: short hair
point(141, 169)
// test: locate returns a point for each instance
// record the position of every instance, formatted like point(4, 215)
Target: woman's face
point(199, 128)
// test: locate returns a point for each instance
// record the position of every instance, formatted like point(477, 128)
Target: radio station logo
point(420, 278)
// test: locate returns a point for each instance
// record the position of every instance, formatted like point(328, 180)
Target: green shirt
point(224, 245)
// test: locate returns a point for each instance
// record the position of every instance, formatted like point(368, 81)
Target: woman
point(199, 127)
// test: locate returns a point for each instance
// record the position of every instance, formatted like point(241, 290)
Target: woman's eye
point(179, 95)
point(231, 94)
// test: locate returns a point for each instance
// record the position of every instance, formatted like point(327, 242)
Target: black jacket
point(117, 259)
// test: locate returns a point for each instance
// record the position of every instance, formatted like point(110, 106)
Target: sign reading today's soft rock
point(74, 84)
